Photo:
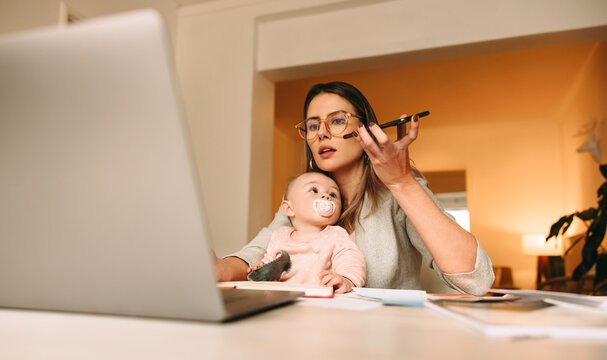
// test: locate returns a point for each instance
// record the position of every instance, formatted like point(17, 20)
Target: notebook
point(310, 290)
point(100, 210)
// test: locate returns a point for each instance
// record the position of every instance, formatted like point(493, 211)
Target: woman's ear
point(287, 208)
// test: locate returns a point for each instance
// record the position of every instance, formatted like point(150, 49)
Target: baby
point(320, 253)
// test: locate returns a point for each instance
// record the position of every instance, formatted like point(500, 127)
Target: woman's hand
point(339, 283)
point(390, 160)
point(452, 248)
point(230, 268)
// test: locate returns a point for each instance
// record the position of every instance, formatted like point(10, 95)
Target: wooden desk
point(290, 332)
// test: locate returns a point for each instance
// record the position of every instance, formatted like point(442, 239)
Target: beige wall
point(585, 100)
point(16, 15)
point(386, 30)
point(288, 161)
point(222, 46)
point(507, 119)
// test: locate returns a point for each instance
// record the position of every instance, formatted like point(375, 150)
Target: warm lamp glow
point(536, 244)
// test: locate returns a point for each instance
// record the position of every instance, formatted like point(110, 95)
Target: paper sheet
point(394, 296)
point(349, 301)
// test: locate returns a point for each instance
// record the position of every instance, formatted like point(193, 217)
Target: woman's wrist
point(404, 186)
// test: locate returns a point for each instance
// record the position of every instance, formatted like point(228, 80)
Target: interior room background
point(508, 85)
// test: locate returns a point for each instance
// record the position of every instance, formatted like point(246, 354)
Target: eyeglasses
point(336, 123)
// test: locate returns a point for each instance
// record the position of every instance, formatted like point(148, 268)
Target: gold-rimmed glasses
point(336, 123)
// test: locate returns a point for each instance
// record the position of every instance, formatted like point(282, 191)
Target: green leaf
point(602, 192)
point(601, 269)
point(555, 229)
point(578, 272)
point(589, 255)
point(594, 237)
point(566, 227)
point(587, 215)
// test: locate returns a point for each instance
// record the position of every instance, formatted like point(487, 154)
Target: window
point(450, 189)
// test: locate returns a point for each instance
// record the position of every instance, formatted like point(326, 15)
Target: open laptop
point(100, 210)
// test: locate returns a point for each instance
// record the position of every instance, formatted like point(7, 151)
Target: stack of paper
point(533, 315)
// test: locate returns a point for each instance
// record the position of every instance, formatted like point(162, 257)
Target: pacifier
point(324, 208)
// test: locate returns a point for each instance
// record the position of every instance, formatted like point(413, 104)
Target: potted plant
point(592, 254)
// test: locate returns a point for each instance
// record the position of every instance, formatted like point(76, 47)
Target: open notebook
point(310, 290)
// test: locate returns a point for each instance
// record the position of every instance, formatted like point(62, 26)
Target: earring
point(311, 166)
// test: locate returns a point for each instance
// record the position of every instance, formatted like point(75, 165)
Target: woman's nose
point(323, 130)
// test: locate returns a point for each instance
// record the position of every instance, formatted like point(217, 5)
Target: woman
point(394, 216)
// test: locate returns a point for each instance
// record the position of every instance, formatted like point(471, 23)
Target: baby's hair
point(293, 178)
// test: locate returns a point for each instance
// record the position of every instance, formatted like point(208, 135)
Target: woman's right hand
point(230, 268)
point(390, 160)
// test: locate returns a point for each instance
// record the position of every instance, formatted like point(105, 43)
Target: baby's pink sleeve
point(274, 245)
point(348, 261)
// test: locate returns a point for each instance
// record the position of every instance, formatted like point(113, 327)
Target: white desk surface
point(289, 332)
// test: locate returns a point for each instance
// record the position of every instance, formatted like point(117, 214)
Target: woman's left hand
point(390, 160)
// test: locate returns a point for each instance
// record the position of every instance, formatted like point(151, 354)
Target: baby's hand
point(255, 267)
point(339, 283)
point(262, 263)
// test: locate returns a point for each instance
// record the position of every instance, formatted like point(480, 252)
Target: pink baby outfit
point(332, 249)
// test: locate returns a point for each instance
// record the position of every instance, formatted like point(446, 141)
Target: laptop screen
point(100, 208)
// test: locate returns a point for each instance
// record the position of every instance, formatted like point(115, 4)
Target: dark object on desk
point(272, 270)
point(549, 267)
point(585, 285)
point(597, 220)
point(503, 278)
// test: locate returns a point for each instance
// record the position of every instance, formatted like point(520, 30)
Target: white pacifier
point(324, 208)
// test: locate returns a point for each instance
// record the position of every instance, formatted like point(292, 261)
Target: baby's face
point(315, 198)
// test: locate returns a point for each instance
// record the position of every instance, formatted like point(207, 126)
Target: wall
point(397, 31)
point(16, 15)
point(288, 161)
point(227, 79)
point(585, 100)
point(501, 118)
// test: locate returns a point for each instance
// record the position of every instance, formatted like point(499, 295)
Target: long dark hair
point(370, 185)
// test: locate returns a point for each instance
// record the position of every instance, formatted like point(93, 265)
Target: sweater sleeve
point(476, 282)
point(253, 252)
point(347, 260)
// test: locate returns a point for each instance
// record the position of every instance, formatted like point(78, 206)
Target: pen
point(396, 122)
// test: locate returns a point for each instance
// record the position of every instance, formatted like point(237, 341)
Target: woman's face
point(333, 153)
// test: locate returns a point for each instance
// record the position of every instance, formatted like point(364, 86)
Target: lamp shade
point(536, 244)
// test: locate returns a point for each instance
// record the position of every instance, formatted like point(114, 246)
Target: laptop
point(100, 209)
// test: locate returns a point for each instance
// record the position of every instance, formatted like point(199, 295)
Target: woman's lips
point(326, 152)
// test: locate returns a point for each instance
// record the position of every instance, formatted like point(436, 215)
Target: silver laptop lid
point(99, 204)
